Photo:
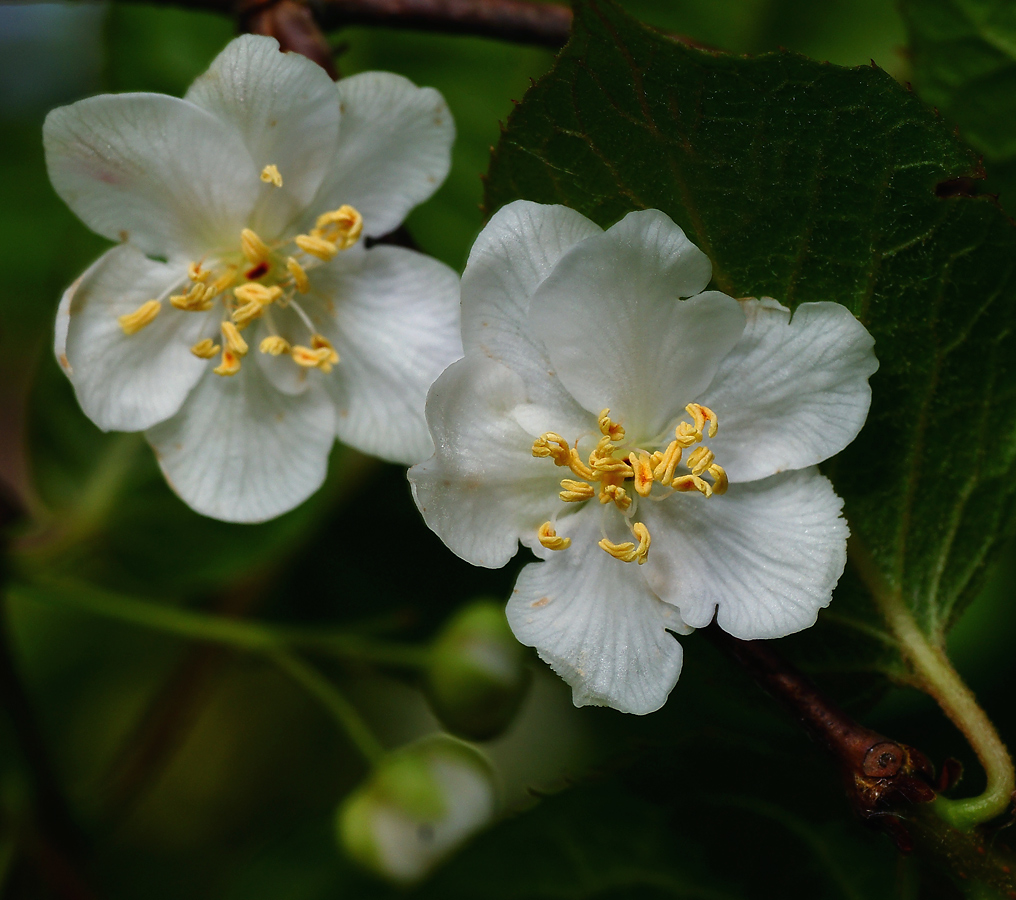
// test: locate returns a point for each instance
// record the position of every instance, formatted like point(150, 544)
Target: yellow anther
point(275, 346)
point(257, 293)
point(720, 482)
point(196, 273)
point(316, 246)
point(642, 468)
point(270, 175)
point(687, 483)
point(244, 315)
point(617, 494)
point(342, 227)
point(686, 434)
point(669, 459)
point(553, 445)
point(549, 538)
point(574, 491)
point(299, 275)
point(609, 465)
point(701, 415)
point(230, 364)
point(700, 459)
point(610, 428)
point(197, 299)
point(205, 349)
point(254, 249)
point(319, 358)
point(320, 342)
point(234, 342)
point(145, 314)
point(629, 552)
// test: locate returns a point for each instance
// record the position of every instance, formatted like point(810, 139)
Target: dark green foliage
point(807, 182)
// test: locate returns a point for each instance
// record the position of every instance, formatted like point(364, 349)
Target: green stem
point(253, 637)
point(343, 711)
point(939, 679)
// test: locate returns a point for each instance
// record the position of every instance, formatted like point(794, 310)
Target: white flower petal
point(765, 556)
point(617, 334)
point(793, 392)
point(395, 326)
point(241, 451)
point(153, 170)
point(394, 149)
point(128, 382)
point(596, 622)
point(482, 491)
point(285, 109)
point(513, 254)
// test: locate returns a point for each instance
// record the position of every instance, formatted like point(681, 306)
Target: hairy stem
point(937, 677)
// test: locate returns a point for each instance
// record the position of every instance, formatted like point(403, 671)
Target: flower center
point(612, 475)
point(249, 282)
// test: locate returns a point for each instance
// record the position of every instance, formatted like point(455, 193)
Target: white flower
point(241, 323)
point(582, 362)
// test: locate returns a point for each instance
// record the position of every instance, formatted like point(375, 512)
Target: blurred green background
point(193, 770)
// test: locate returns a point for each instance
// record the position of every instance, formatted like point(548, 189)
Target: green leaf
point(963, 54)
point(805, 182)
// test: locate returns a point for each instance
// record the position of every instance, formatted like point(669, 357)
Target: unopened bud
point(477, 674)
point(420, 804)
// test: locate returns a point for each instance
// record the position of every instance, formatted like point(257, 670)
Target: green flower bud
point(477, 674)
point(420, 803)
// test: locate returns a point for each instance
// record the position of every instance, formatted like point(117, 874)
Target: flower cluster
point(241, 322)
point(687, 426)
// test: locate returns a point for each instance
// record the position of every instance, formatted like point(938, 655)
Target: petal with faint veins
point(393, 317)
point(128, 382)
point(618, 335)
point(595, 620)
point(286, 111)
point(394, 149)
point(764, 557)
point(241, 451)
point(793, 391)
point(482, 491)
point(155, 171)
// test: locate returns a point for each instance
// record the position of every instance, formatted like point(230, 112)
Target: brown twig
point(880, 774)
point(292, 25)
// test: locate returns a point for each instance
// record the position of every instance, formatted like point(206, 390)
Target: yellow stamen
point(552, 445)
point(270, 175)
point(669, 459)
point(700, 459)
point(197, 299)
point(299, 275)
point(316, 246)
point(247, 313)
point(230, 364)
point(701, 415)
point(720, 482)
point(320, 342)
point(692, 483)
point(608, 427)
point(549, 538)
point(205, 349)
point(275, 346)
point(342, 227)
point(574, 491)
point(628, 552)
point(313, 359)
point(257, 293)
point(254, 249)
point(643, 472)
point(145, 314)
point(616, 493)
point(231, 336)
point(196, 273)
